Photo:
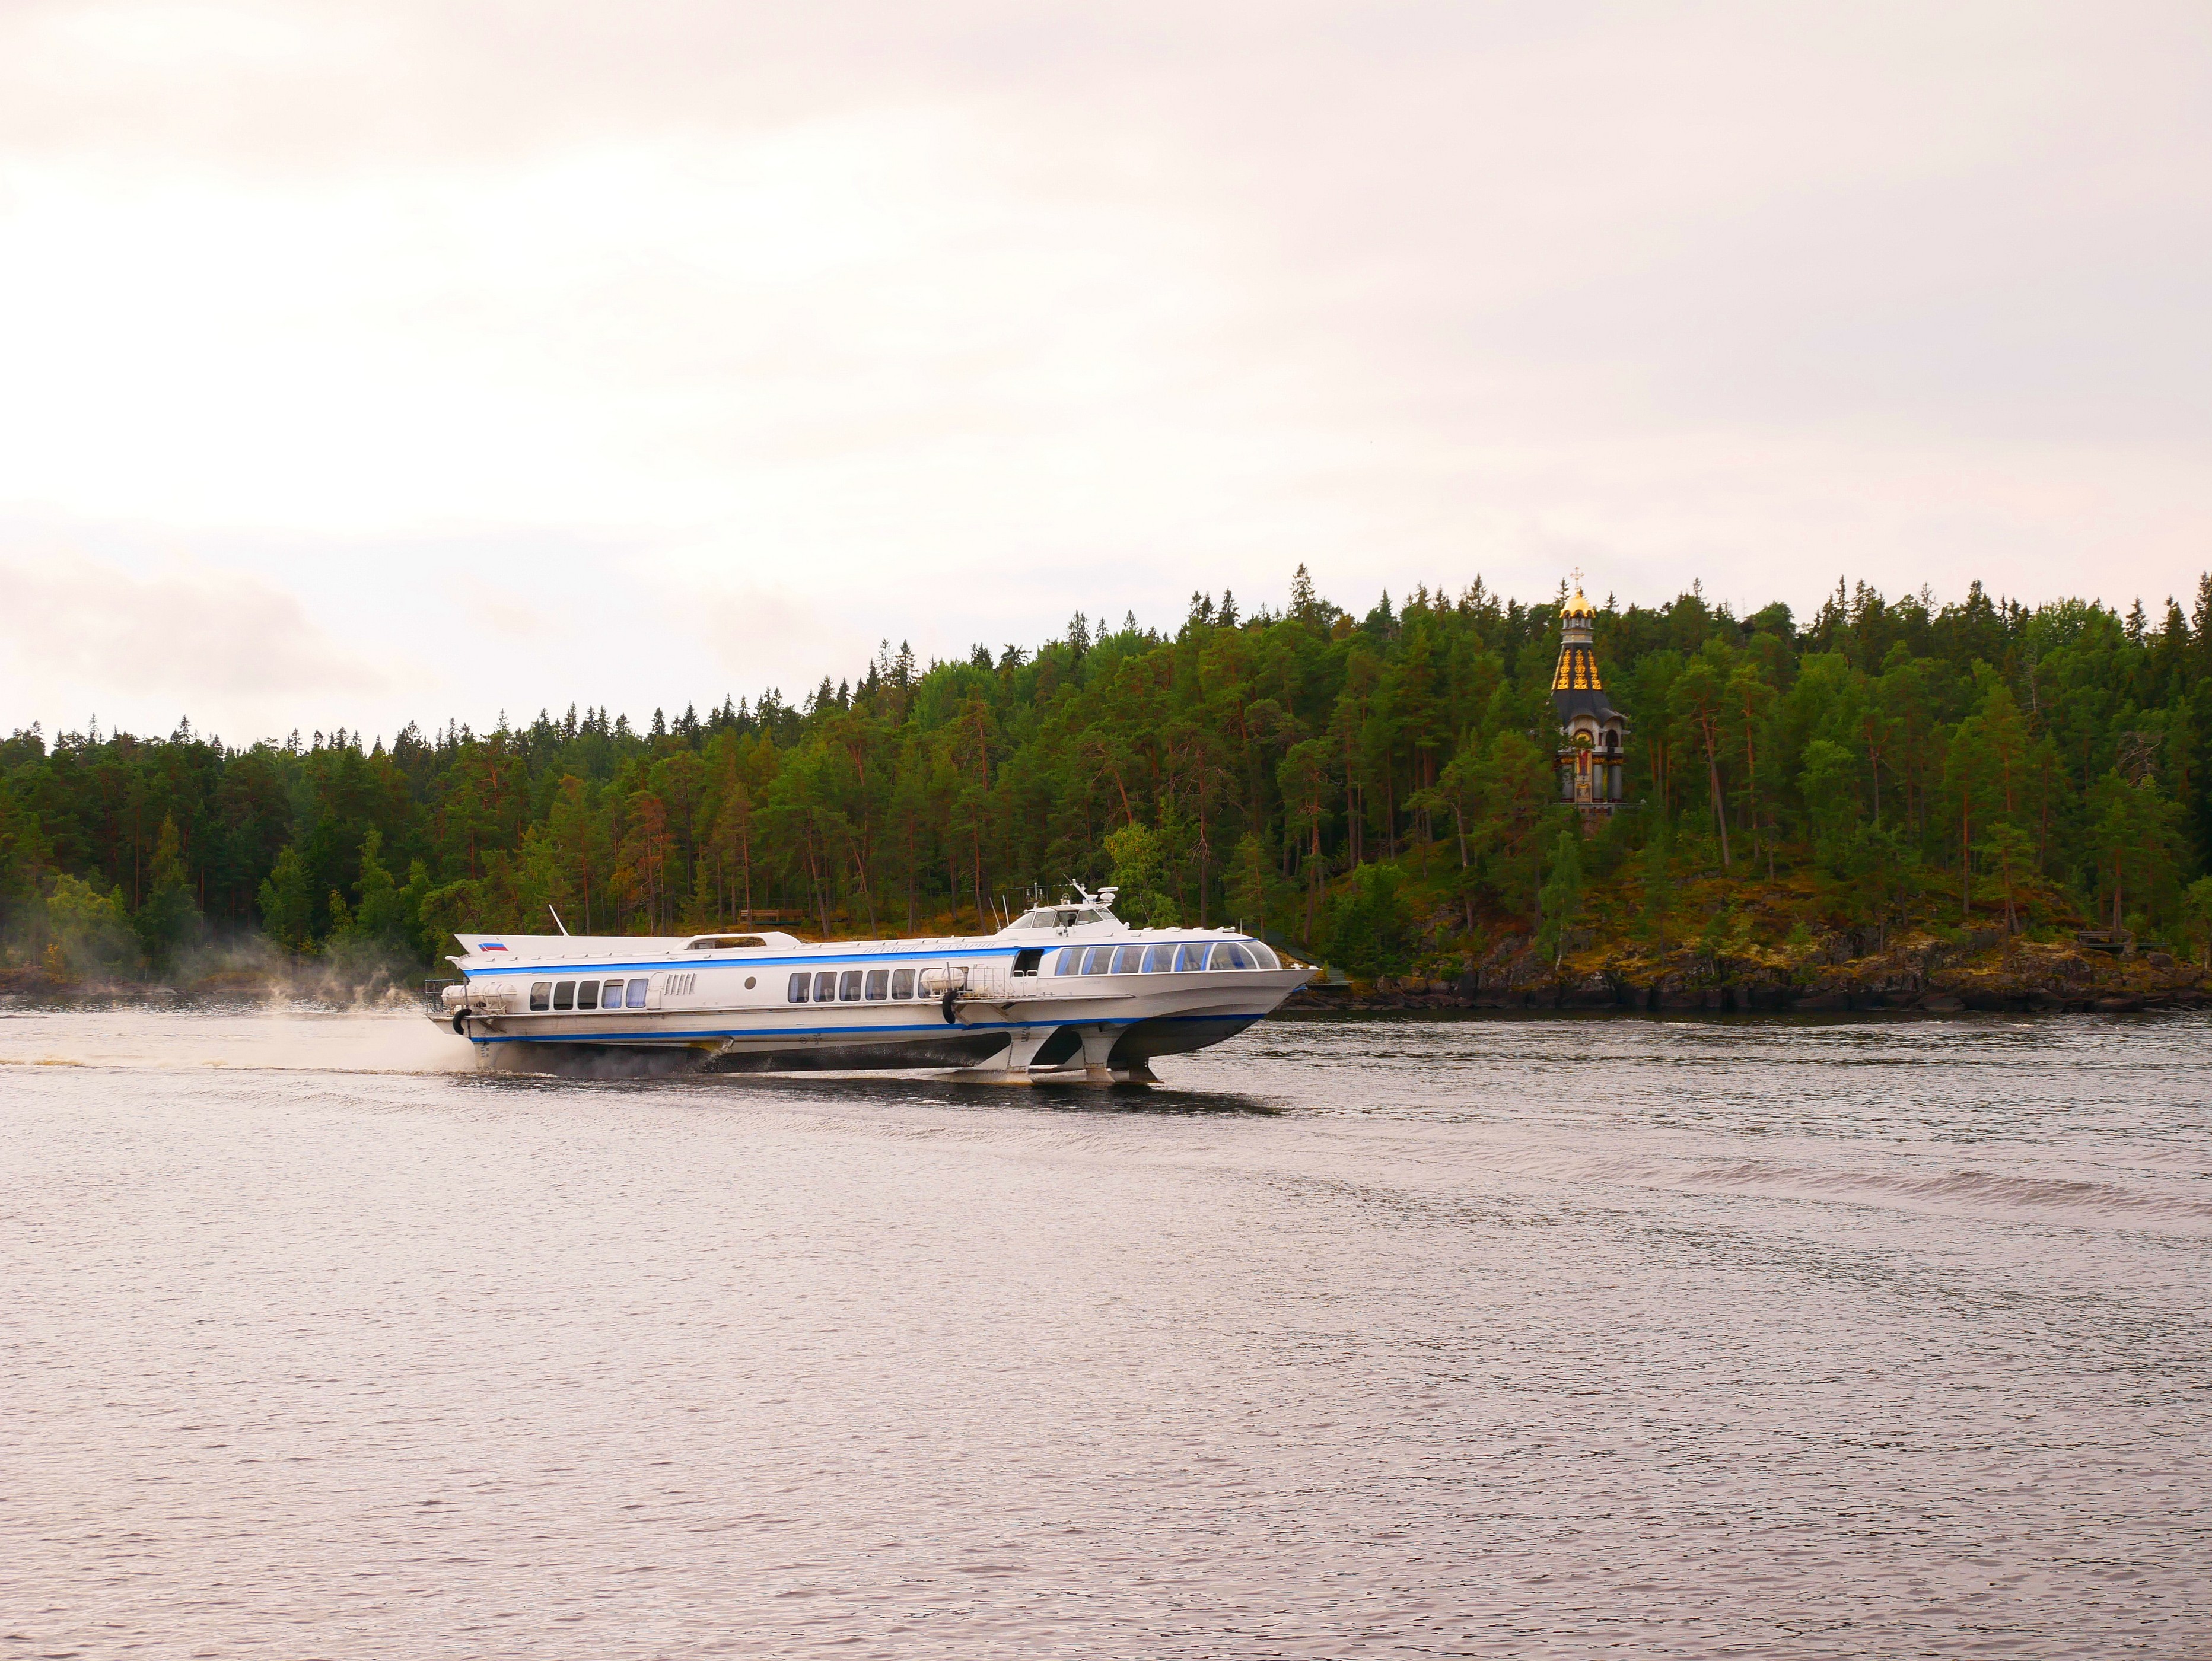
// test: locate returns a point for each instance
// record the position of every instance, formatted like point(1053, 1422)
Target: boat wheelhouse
point(1064, 991)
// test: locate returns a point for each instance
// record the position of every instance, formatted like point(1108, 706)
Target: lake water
point(1361, 1337)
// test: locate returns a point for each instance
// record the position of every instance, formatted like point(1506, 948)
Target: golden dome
point(1579, 607)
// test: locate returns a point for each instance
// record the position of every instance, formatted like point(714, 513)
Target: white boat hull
point(1003, 1013)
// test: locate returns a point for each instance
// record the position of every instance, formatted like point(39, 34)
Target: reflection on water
point(1514, 1337)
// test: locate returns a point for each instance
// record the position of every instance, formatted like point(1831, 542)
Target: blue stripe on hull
point(586, 970)
point(704, 1034)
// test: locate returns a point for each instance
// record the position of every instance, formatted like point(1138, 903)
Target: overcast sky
point(364, 362)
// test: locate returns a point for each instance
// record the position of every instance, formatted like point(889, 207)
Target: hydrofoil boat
point(1062, 992)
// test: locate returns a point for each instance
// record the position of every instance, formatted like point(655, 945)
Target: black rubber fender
point(952, 1001)
point(461, 1023)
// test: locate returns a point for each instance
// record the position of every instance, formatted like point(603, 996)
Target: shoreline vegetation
point(1921, 972)
point(1900, 804)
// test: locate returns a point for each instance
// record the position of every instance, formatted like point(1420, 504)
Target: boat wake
point(182, 1039)
point(2069, 1199)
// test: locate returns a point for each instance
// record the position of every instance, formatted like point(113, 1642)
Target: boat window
point(1229, 955)
point(1026, 961)
point(902, 982)
point(1097, 960)
point(588, 995)
point(825, 987)
point(1190, 955)
point(879, 985)
point(850, 990)
point(635, 999)
point(541, 994)
point(1071, 961)
point(1126, 958)
point(564, 994)
point(725, 943)
point(1158, 959)
point(800, 983)
point(1262, 957)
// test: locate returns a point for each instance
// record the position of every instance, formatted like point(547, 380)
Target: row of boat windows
point(1164, 959)
point(875, 985)
point(855, 986)
point(878, 985)
point(588, 995)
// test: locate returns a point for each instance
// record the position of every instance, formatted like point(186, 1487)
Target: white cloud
point(80, 636)
point(751, 639)
point(539, 340)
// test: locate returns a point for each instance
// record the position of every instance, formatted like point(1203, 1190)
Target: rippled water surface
point(1360, 1337)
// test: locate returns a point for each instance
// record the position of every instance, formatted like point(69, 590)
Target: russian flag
point(491, 945)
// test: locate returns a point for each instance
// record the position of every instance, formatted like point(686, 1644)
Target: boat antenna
point(557, 923)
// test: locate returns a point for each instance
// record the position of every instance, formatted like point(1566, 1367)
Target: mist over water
point(250, 1034)
point(1500, 1337)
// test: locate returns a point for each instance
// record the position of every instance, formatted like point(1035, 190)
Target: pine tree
point(169, 920)
point(285, 904)
point(1560, 900)
point(1137, 853)
point(381, 916)
point(1659, 886)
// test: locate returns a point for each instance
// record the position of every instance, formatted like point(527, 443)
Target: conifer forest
point(1379, 792)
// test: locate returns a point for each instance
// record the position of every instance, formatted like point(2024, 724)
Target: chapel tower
point(1593, 734)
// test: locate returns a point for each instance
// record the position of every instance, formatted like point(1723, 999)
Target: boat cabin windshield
point(1060, 916)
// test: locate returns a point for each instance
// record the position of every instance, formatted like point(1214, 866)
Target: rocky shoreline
point(1985, 972)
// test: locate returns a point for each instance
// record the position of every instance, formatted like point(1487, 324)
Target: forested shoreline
point(1377, 791)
